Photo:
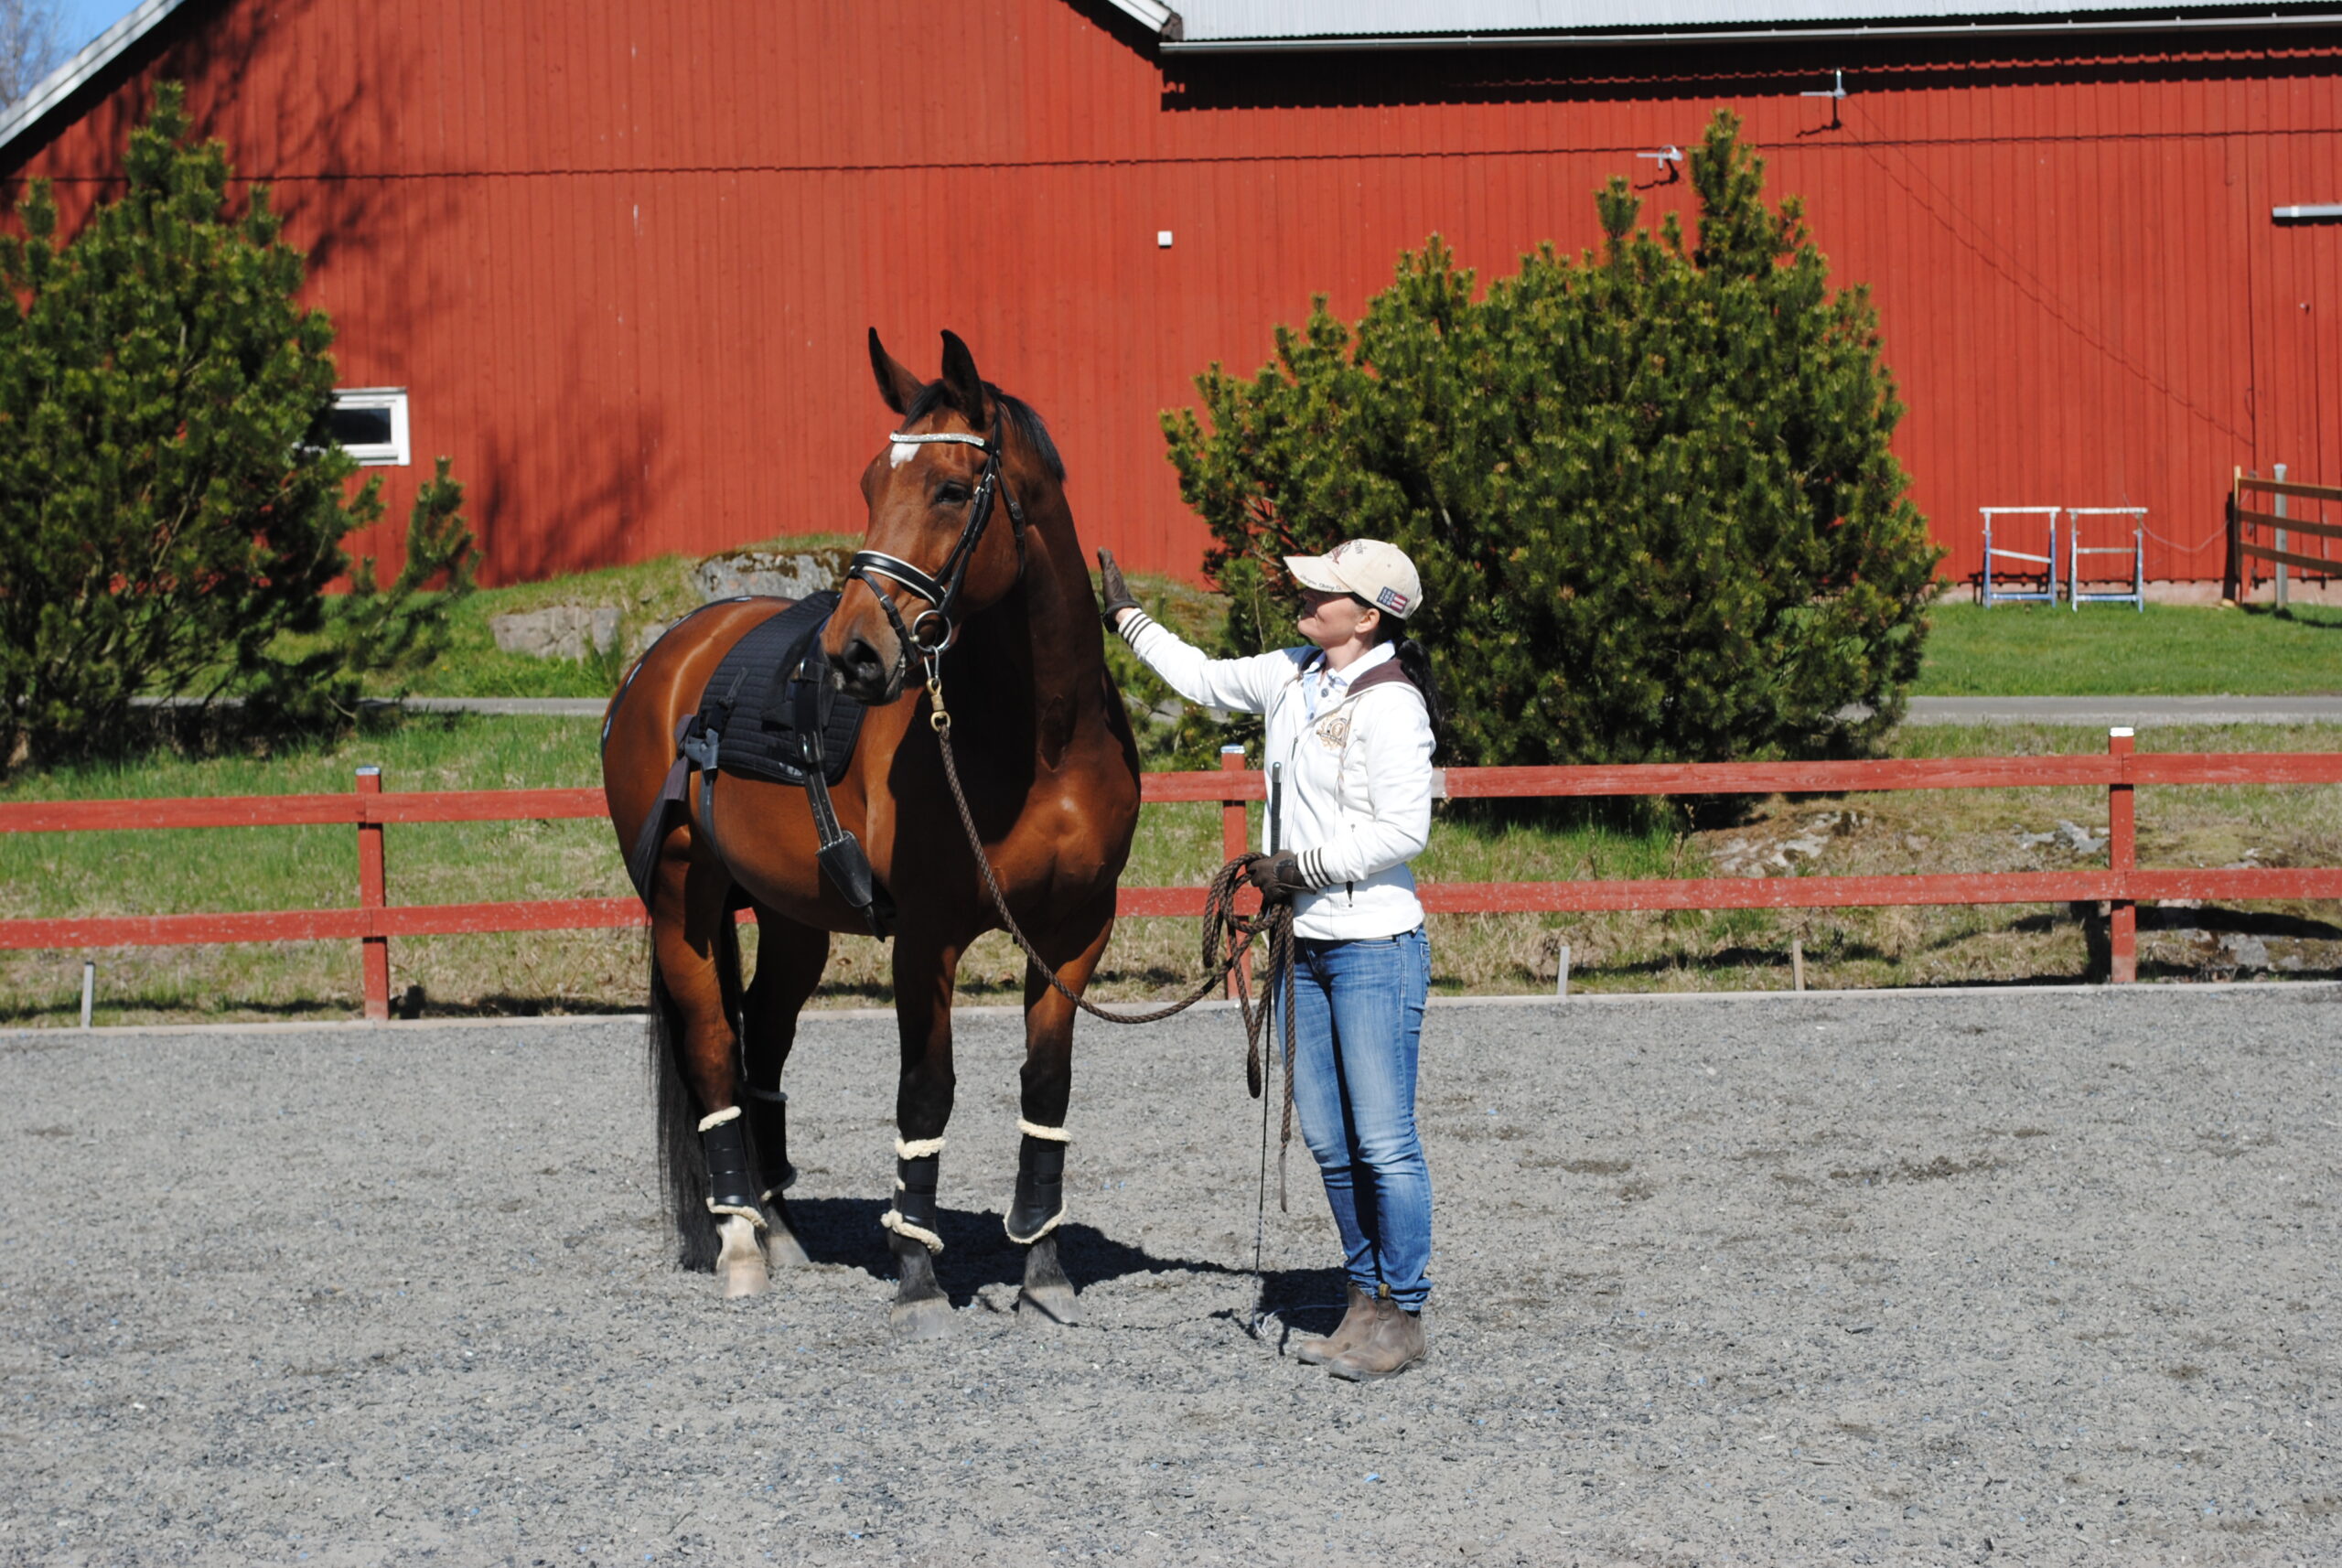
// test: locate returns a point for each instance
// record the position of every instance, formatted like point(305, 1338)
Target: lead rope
point(1222, 925)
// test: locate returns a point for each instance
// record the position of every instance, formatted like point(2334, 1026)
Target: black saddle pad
point(762, 707)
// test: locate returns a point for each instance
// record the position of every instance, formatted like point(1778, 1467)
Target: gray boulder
point(766, 574)
point(564, 631)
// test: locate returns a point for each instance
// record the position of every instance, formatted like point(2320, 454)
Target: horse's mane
point(1018, 412)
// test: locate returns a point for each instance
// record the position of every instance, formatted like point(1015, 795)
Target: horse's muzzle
point(867, 675)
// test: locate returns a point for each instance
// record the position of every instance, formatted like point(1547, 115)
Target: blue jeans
point(1357, 1024)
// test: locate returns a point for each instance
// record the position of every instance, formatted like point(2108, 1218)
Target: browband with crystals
point(961, 436)
point(899, 453)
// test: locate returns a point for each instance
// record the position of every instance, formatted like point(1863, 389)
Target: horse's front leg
point(1073, 948)
point(789, 961)
point(925, 971)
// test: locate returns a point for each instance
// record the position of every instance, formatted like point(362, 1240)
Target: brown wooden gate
point(2263, 529)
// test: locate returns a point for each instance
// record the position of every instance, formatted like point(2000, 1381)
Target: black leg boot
point(1033, 1221)
point(1040, 1189)
point(732, 1198)
point(921, 1310)
point(769, 1127)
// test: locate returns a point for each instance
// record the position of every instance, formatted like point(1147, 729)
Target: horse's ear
point(960, 375)
point(896, 384)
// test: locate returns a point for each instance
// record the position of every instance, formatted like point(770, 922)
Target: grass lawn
point(225, 869)
point(2009, 650)
point(2169, 650)
point(648, 595)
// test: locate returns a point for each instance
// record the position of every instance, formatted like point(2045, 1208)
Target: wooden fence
point(2247, 522)
point(2122, 884)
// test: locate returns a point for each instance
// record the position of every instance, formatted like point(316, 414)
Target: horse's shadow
point(977, 1253)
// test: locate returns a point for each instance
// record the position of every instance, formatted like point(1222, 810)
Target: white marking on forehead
point(901, 453)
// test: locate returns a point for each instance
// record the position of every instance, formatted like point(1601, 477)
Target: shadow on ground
point(977, 1253)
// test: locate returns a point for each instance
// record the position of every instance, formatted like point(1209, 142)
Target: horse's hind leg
point(1073, 948)
point(789, 961)
point(709, 1183)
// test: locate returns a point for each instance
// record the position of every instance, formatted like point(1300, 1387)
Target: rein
point(1228, 938)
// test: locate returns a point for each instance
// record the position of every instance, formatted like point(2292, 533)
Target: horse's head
point(948, 496)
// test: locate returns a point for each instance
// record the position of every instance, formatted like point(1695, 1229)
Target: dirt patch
point(396, 1297)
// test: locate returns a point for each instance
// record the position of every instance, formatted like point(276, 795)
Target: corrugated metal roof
point(1224, 23)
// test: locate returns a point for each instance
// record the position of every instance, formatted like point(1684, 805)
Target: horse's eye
point(952, 492)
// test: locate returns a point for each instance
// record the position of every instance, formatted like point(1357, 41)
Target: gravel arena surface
point(2028, 1277)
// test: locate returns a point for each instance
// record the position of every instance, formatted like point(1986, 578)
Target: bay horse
point(999, 609)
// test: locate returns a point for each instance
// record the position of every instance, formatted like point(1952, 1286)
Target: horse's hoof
point(1051, 1304)
point(740, 1266)
point(743, 1279)
point(1046, 1289)
point(930, 1318)
point(785, 1250)
point(746, 1279)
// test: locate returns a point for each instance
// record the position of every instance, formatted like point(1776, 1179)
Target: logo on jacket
point(1334, 731)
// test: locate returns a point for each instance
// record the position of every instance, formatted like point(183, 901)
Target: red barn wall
point(624, 254)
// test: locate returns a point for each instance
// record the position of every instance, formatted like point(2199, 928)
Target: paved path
point(553, 707)
point(2137, 711)
point(2044, 1278)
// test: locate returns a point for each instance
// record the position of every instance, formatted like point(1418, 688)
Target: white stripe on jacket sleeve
point(1239, 685)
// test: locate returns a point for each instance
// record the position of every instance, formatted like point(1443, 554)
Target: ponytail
point(1414, 663)
point(1415, 660)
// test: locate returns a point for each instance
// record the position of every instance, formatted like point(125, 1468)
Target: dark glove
point(1117, 593)
point(1278, 875)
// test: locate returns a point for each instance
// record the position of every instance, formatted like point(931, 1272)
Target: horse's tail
point(683, 1162)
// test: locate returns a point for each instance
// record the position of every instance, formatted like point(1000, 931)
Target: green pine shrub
point(1650, 490)
point(172, 506)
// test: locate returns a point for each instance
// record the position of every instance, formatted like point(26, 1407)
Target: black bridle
point(941, 590)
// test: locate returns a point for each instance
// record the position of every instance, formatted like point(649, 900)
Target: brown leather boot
point(1358, 1316)
point(1394, 1343)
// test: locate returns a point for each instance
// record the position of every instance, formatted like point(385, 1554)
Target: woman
point(1350, 718)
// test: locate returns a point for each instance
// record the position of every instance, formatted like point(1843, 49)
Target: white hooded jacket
point(1357, 766)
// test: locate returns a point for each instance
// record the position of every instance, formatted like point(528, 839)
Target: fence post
point(373, 893)
point(2280, 509)
point(2233, 569)
point(1231, 827)
point(2121, 855)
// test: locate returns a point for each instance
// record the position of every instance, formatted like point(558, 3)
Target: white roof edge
point(1256, 26)
point(1152, 14)
point(1335, 43)
point(61, 83)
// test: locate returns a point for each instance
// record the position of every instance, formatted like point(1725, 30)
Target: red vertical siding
point(624, 254)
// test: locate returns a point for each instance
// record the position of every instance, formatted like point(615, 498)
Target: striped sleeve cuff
point(1138, 620)
point(1312, 865)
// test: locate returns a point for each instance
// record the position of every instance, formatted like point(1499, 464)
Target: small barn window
point(370, 424)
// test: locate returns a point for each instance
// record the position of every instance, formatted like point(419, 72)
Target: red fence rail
point(2122, 885)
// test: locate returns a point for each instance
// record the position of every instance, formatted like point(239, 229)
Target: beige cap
point(1378, 573)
